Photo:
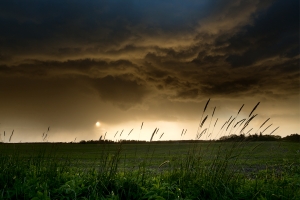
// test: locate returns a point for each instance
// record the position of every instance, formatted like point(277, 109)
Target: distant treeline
point(291, 138)
point(139, 141)
point(231, 138)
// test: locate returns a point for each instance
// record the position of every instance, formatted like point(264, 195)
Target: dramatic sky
point(69, 64)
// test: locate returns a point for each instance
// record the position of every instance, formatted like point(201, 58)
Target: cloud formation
point(137, 56)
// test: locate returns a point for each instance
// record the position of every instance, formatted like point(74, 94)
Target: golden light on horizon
point(98, 124)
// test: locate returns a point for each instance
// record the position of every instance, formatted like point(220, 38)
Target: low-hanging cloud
point(120, 90)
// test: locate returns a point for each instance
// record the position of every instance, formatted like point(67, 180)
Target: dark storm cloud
point(4, 58)
point(120, 90)
point(70, 63)
point(184, 50)
point(113, 80)
point(84, 67)
point(56, 27)
point(227, 87)
point(274, 32)
point(188, 94)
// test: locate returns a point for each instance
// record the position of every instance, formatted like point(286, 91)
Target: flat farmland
point(247, 156)
point(165, 170)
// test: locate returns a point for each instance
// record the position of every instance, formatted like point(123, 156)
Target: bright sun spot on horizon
point(98, 124)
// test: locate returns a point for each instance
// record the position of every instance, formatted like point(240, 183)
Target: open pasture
point(245, 156)
point(204, 170)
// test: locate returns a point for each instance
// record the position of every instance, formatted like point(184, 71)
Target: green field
point(251, 155)
point(213, 170)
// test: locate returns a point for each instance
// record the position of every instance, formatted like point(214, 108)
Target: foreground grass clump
point(48, 175)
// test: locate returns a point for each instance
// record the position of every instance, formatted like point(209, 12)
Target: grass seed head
point(229, 123)
point(224, 124)
point(216, 122)
point(274, 130)
point(116, 134)
point(213, 112)
point(254, 109)
point(130, 132)
point(266, 128)
point(161, 135)
point(162, 164)
point(206, 105)
point(240, 109)
point(153, 134)
point(203, 121)
point(264, 123)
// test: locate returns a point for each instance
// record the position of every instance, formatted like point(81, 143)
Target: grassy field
point(208, 170)
point(251, 154)
point(203, 170)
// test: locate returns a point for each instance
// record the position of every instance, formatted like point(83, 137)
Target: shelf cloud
point(145, 59)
